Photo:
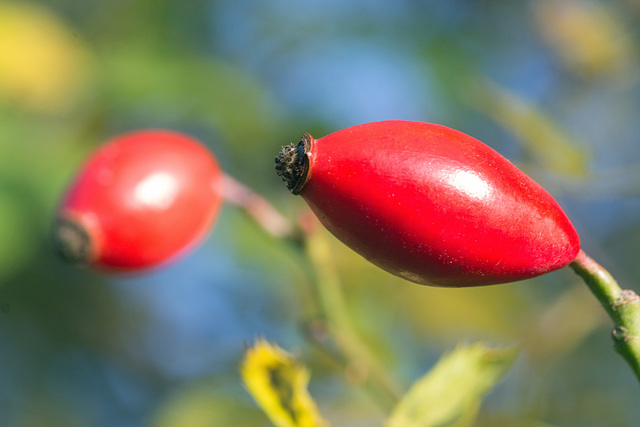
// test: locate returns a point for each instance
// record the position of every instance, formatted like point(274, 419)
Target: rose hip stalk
point(430, 204)
point(140, 200)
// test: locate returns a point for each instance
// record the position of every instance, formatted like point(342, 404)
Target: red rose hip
point(430, 204)
point(139, 200)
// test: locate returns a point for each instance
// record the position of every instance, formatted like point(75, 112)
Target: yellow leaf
point(42, 64)
point(588, 37)
point(278, 382)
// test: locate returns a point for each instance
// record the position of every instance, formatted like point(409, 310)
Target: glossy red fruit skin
point(435, 206)
point(142, 198)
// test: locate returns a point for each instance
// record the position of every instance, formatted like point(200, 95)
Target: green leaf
point(17, 239)
point(450, 394)
point(205, 89)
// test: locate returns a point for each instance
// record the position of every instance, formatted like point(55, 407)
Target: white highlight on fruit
point(157, 191)
point(470, 184)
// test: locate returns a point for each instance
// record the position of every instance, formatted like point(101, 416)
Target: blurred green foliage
point(450, 394)
point(559, 97)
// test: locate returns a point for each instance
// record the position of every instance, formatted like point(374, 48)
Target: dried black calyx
point(72, 241)
point(292, 164)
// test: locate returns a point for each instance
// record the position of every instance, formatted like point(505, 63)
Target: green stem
point(622, 306)
point(366, 369)
point(374, 377)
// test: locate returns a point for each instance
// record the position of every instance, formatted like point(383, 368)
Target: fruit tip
point(292, 164)
point(72, 241)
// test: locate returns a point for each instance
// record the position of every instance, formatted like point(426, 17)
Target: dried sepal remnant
point(292, 163)
point(72, 241)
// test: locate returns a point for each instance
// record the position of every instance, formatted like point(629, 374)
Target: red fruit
point(430, 204)
point(139, 200)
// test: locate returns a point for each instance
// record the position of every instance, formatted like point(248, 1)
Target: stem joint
point(627, 297)
point(621, 336)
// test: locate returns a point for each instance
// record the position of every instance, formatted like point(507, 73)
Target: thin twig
point(363, 364)
point(257, 207)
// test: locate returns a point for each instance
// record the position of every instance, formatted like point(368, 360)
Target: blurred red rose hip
point(429, 204)
point(139, 200)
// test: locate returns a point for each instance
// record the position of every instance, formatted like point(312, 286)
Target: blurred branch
point(563, 325)
point(622, 306)
point(363, 366)
point(363, 362)
point(550, 144)
point(257, 207)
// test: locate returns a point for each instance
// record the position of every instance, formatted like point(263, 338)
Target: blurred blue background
point(551, 84)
